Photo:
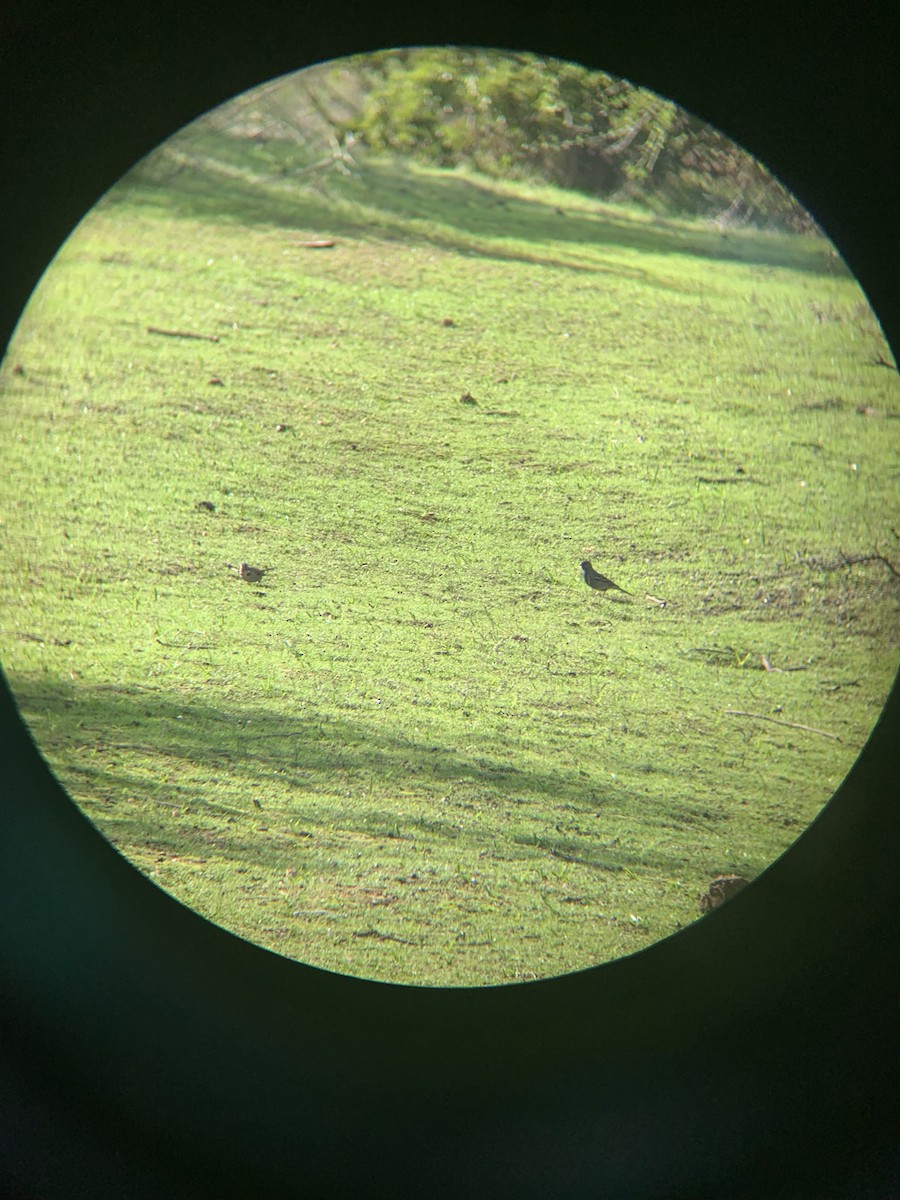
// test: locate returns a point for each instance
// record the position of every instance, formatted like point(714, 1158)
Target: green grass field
point(421, 750)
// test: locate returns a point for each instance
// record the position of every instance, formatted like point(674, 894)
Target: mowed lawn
point(421, 749)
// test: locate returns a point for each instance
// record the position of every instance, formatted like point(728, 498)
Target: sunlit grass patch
point(421, 749)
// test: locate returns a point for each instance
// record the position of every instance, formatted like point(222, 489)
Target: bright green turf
point(468, 767)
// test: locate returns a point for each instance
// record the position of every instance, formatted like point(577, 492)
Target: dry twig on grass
point(851, 560)
point(42, 641)
point(180, 333)
point(736, 712)
point(767, 665)
point(383, 937)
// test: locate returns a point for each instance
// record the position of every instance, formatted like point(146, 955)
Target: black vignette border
point(146, 1053)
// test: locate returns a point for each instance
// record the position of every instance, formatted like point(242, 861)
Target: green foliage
point(496, 112)
point(526, 117)
point(423, 750)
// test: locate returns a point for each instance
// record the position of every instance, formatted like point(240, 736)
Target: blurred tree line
point(519, 116)
point(513, 116)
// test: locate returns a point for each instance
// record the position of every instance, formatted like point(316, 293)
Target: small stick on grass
point(180, 333)
point(851, 560)
point(768, 666)
point(51, 641)
point(383, 937)
point(186, 645)
point(736, 712)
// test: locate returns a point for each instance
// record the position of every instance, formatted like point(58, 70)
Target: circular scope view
point(450, 514)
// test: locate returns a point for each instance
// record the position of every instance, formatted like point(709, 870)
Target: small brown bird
point(251, 574)
point(247, 573)
point(595, 580)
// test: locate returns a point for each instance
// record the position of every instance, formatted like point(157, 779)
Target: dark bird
point(595, 580)
point(251, 574)
point(247, 573)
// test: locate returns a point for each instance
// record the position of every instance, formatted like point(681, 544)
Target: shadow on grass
point(212, 762)
point(387, 199)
